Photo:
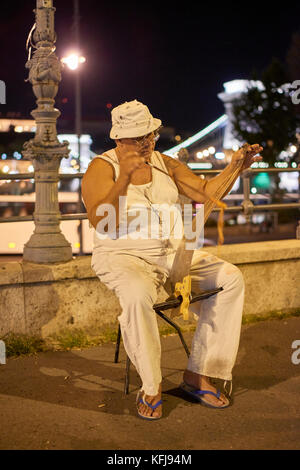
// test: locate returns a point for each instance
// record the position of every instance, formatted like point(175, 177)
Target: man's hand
point(129, 162)
point(247, 153)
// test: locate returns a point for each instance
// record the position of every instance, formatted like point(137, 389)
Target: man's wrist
point(232, 166)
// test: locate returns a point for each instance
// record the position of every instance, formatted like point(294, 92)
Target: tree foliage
point(267, 116)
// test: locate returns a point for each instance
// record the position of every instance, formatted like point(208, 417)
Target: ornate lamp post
point(47, 244)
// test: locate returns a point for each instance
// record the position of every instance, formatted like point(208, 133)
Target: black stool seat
point(170, 303)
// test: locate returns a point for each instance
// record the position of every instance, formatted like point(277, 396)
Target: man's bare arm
point(193, 186)
point(187, 182)
point(98, 187)
point(246, 155)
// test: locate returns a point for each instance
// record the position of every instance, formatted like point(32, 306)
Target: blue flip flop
point(198, 395)
point(153, 407)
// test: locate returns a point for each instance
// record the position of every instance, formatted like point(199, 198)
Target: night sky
point(172, 56)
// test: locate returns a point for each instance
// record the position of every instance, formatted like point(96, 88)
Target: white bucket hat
point(132, 119)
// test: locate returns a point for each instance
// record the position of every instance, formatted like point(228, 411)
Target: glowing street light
point(73, 60)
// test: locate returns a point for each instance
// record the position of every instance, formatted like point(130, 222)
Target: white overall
point(134, 269)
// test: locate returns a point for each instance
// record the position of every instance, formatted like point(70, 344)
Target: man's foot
point(145, 410)
point(201, 382)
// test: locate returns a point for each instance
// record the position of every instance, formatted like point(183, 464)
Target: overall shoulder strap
point(163, 164)
point(109, 159)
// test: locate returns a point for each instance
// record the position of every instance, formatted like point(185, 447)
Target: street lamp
point(73, 62)
point(47, 244)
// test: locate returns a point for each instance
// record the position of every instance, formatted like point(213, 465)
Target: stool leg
point(177, 329)
point(127, 377)
point(118, 345)
point(126, 385)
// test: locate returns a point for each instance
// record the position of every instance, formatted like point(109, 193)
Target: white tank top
point(156, 229)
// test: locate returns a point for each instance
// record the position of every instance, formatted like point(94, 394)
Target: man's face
point(143, 145)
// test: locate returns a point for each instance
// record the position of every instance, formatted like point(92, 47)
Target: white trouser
point(135, 281)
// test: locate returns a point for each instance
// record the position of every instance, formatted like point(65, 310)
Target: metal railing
point(247, 207)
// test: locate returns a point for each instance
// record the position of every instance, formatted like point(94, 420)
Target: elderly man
point(125, 179)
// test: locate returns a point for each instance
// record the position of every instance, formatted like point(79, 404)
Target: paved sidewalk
point(74, 400)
